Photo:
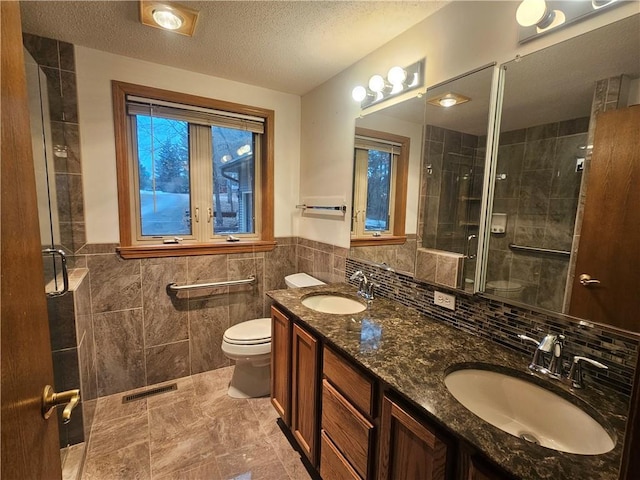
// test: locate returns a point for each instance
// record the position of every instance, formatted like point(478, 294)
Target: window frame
point(397, 234)
point(264, 213)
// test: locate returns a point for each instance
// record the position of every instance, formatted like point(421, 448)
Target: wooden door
point(304, 392)
point(30, 446)
point(609, 248)
point(281, 364)
point(409, 450)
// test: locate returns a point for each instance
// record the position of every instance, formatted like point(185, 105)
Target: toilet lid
point(250, 332)
point(504, 285)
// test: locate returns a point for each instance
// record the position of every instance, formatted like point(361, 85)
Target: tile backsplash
point(500, 323)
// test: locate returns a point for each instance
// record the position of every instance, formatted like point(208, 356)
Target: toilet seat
point(251, 332)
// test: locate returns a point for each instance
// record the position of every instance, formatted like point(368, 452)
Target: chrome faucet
point(365, 287)
point(552, 347)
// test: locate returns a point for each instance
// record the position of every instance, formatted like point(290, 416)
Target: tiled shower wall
point(540, 197)
point(501, 323)
point(57, 61)
point(452, 183)
point(72, 349)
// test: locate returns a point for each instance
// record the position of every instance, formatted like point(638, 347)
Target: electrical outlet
point(444, 300)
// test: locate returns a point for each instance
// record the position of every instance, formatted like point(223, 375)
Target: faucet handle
point(575, 374)
point(529, 339)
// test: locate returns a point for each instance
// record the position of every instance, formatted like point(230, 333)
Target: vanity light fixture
point(398, 80)
point(536, 17)
point(168, 16)
point(449, 99)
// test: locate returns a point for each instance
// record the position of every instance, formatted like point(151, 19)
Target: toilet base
point(249, 381)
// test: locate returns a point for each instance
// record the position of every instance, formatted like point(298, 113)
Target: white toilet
point(249, 344)
point(505, 288)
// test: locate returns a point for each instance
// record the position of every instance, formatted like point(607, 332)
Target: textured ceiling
point(289, 46)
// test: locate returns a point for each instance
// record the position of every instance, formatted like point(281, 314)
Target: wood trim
point(350, 431)
point(425, 454)
point(120, 90)
point(356, 386)
point(333, 466)
point(30, 446)
point(281, 364)
point(118, 95)
point(402, 178)
point(378, 241)
point(304, 391)
point(154, 251)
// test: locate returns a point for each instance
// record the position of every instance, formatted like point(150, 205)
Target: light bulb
point(167, 19)
point(397, 76)
point(532, 12)
point(359, 93)
point(376, 83)
point(447, 101)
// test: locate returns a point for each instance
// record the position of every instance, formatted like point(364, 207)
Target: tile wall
point(399, 257)
point(145, 335)
point(57, 61)
point(72, 346)
point(539, 194)
point(500, 323)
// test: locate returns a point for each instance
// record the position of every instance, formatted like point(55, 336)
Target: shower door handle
point(469, 255)
point(65, 273)
point(51, 400)
point(587, 281)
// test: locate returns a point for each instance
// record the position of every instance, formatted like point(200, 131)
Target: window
point(379, 188)
point(195, 175)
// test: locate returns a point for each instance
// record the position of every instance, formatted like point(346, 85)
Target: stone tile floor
point(196, 432)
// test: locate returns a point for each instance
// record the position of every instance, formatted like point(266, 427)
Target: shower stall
point(54, 134)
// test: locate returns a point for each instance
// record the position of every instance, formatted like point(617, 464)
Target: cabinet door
point(409, 450)
point(281, 364)
point(304, 392)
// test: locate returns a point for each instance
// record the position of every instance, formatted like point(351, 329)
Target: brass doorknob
point(51, 400)
point(587, 281)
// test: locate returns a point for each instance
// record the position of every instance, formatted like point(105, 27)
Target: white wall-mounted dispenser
point(498, 223)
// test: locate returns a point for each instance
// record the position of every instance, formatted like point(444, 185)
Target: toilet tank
point(298, 280)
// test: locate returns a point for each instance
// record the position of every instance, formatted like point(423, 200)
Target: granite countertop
point(412, 353)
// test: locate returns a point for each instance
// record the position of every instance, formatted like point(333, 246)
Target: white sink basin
point(333, 304)
point(528, 411)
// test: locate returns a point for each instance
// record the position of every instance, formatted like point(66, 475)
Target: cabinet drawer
point(351, 382)
point(349, 430)
point(333, 466)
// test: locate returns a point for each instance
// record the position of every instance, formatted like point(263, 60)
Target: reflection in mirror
point(395, 131)
point(457, 115)
point(552, 104)
point(43, 164)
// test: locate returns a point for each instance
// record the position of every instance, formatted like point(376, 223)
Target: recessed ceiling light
point(168, 16)
point(167, 19)
point(449, 99)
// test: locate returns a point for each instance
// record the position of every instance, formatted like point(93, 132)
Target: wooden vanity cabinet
point(348, 432)
point(281, 364)
point(409, 448)
point(471, 466)
point(304, 391)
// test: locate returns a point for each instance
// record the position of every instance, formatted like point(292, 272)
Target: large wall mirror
point(555, 156)
point(545, 173)
point(453, 171)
